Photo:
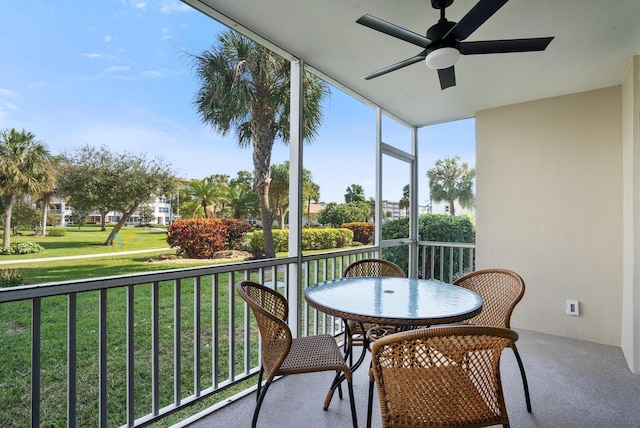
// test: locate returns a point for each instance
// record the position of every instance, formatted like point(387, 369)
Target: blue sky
point(115, 73)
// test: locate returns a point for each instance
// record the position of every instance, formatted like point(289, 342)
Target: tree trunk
point(103, 214)
point(45, 210)
point(8, 206)
point(118, 226)
point(265, 214)
point(452, 208)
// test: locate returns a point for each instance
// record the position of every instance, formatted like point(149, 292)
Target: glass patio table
point(400, 302)
point(403, 303)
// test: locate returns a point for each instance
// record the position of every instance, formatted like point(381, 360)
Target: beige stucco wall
point(549, 201)
point(630, 342)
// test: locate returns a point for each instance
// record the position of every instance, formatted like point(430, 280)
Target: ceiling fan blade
point(393, 30)
point(395, 67)
point(469, 23)
point(505, 46)
point(447, 77)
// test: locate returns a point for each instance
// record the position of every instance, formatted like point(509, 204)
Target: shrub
point(25, 248)
point(312, 239)
point(11, 278)
point(362, 232)
point(236, 232)
point(197, 238)
point(431, 227)
point(56, 231)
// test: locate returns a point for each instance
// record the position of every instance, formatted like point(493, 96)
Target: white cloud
point(153, 74)
point(140, 5)
point(96, 55)
point(173, 6)
point(92, 55)
point(108, 38)
point(116, 68)
point(7, 93)
point(9, 106)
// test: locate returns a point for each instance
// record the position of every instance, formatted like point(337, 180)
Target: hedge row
point(312, 239)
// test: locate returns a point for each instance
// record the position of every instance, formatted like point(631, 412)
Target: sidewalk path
point(84, 256)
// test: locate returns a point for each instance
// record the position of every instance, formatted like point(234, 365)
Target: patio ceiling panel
point(593, 42)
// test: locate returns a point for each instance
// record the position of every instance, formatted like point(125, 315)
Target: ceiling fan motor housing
point(438, 4)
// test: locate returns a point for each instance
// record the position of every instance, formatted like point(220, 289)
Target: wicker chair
point(284, 355)
point(441, 377)
point(500, 290)
point(367, 267)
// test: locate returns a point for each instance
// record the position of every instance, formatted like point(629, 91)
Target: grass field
point(15, 329)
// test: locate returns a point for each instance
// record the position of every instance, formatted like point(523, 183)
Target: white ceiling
point(594, 40)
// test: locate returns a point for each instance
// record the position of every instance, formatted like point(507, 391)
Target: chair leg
point(259, 382)
point(259, 404)
point(352, 403)
point(370, 403)
point(524, 377)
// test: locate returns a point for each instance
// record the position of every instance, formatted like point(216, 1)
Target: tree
point(449, 182)
point(205, 192)
point(355, 193)
point(279, 191)
point(246, 87)
point(139, 180)
point(311, 192)
point(147, 215)
point(88, 178)
point(26, 167)
point(243, 200)
point(335, 214)
point(404, 201)
point(221, 198)
point(96, 178)
point(24, 215)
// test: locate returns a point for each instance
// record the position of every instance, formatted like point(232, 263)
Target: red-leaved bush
point(362, 232)
point(236, 230)
point(197, 238)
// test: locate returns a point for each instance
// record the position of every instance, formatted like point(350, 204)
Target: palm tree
point(404, 201)
point(205, 191)
point(449, 182)
point(26, 167)
point(243, 201)
point(221, 198)
point(246, 87)
point(311, 192)
point(355, 193)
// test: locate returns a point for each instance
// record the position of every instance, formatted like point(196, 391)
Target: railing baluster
point(155, 348)
point(130, 358)
point(177, 342)
point(102, 359)
point(450, 278)
point(71, 360)
point(215, 362)
point(36, 317)
point(232, 328)
point(196, 336)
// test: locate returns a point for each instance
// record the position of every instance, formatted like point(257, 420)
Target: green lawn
point(89, 240)
point(15, 320)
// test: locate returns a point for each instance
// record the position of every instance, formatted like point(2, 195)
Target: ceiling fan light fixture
point(444, 57)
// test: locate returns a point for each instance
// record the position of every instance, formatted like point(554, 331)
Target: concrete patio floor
point(573, 384)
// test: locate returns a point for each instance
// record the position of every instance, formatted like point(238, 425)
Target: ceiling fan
point(444, 43)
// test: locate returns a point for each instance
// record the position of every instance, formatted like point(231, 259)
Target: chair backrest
point(500, 290)
point(441, 376)
point(373, 267)
point(270, 309)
